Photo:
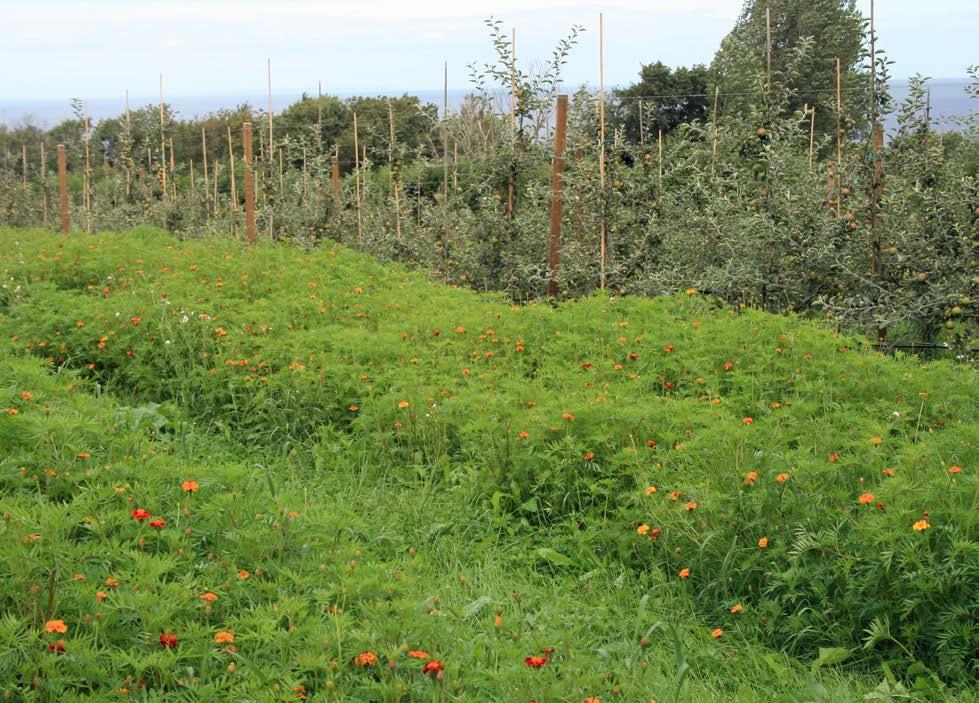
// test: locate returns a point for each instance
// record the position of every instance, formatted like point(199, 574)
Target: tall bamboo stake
point(231, 159)
point(192, 176)
point(557, 202)
point(23, 164)
point(360, 227)
point(659, 139)
point(511, 180)
point(271, 147)
point(87, 181)
point(204, 152)
point(601, 150)
point(63, 186)
point(713, 148)
point(642, 133)
point(839, 136)
point(163, 144)
point(768, 44)
point(445, 164)
point(129, 133)
point(812, 133)
point(249, 183)
point(44, 187)
point(172, 166)
point(395, 186)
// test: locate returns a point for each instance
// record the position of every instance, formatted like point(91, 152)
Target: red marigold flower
point(140, 514)
point(168, 641)
point(158, 523)
point(57, 647)
point(535, 662)
point(433, 667)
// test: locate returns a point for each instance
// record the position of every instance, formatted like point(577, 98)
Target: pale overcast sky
point(97, 48)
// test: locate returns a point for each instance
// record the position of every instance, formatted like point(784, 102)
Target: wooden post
point(63, 186)
point(249, 184)
point(395, 186)
point(360, 226)
point(234, 187)
point(335, 164)
point(557, 203)
point(601, 150)
point(44, 187)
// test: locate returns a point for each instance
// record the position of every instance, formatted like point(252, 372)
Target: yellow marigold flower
point(921, 526)
point(876, 441)
point(650, 490)
point(763, 543)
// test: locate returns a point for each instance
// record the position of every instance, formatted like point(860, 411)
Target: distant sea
point(948, 100)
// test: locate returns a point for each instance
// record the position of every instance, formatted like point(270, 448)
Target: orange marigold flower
point(736, 608)
point(26, 395)
point(866, 498)
point(56, 626)
point(763, 543)
point(244, 575)
point(189, 486)
point(876, 441)
point(955, 470)
point(419, 654)
point(675, 495)
point(684, 572)
point(12, 411)
point(567, 416)
point(643, 530)
point(650, 490)
point(692, 505)
point(921, 526)
point(588, 456)
point(750, 478)
point(782, 478)
point(833, 458)
point(460, 330)
point(224, 637)
point(112, 582)
point(210, 597)
point(354, 408)
point(592, 699)
point(747, 420)
point(716, 633)
point(403, 404)
point(100, 596)
point(220, 332)
point(535, 662)
point(523, 435)
point(888, 471)
point(367, 658)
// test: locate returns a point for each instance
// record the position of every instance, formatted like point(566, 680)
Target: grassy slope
point(486, 512)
